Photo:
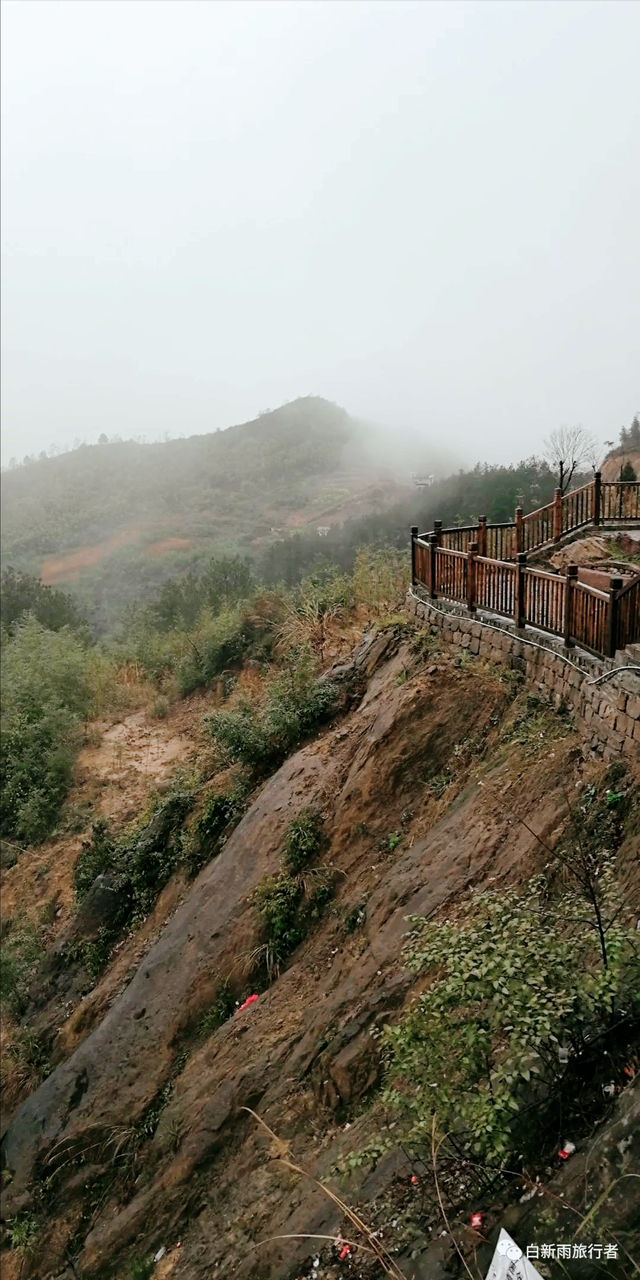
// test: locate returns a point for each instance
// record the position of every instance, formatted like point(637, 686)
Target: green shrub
point(219, 1012)
point(217, 642)
point(140, 863)
point(355, 917)
point(303, 840)
point(512, 978)
point(140, 1268)
point(50, 682)
point(218, 812)
point(20, 954)
point(95, 858)
point(278, 900)
point(262, 734)
point(297, 895)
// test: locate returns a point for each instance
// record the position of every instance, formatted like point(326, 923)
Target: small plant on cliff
point(96, 857)
point(139, 865)
point(303, 840)
point(24, 1233)
point(290, 900)
point(219, 811)
point(278, 900)
point(219, 1011)
point(140, 1268)
point(19, 956)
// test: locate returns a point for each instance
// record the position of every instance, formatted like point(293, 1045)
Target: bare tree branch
point(568, 449)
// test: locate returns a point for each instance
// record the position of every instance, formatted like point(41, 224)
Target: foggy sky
point(426, 212)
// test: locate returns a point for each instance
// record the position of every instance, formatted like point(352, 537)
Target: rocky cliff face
point(421, 786)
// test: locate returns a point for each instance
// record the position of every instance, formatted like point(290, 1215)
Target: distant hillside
point(112, 521)
point(57, 504)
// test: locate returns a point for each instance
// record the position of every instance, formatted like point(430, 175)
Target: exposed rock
point(98, 909)
point(584, 551)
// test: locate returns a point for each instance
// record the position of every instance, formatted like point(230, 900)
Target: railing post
point(471, 576)
point(437, 526)
point(414, 534)
point(557, 515)
point(433, 546)
point(519, 530)
point(614, 587)
point(518, 600)
point(597, 497)
point(482, 535)
point(570, 581)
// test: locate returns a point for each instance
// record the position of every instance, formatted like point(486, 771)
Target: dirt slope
point(302, 1056)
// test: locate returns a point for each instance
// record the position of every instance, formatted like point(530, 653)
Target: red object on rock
point(249, 1000)
point(344, 1252)
point(476, 1220)
point(413, 1179)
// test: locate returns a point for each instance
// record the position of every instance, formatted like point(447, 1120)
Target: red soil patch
point(168, 544)
point(63, 568)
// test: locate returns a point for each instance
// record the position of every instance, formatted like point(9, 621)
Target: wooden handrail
point(592, 591)
point(542, 573)
point(538, 511)
point(581, 614)
point(629, 586)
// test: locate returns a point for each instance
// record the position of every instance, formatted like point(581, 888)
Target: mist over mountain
point(114, 519)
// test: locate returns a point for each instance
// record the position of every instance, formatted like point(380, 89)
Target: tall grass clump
point(380, 577)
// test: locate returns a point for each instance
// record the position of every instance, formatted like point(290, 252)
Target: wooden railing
point(591, 613)
point(544, 601)
point(595, 504)
point(495, 585)
point(485, 566)
point(626, 627)
point(620, 502)
point(578, 508)
point(598, 621)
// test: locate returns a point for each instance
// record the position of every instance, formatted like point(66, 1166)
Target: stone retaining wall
point(606, 715)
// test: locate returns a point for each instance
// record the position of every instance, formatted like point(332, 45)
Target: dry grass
point(280, 1151)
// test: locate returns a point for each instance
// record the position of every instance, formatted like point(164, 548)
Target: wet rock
point(355, 1069)
point(99, 909)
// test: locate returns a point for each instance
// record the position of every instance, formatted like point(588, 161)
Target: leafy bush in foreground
point(514, 977)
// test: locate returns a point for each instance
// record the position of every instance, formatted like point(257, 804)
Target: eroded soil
point(423, 788)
